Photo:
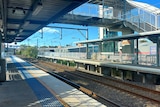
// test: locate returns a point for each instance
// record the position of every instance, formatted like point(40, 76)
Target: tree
point(28, 51)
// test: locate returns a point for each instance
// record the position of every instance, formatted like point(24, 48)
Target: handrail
point(151, 23)
point(125, 58)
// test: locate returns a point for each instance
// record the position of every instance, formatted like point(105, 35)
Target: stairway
point(143, 17)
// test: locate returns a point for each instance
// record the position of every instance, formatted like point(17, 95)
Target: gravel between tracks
point(125, 100)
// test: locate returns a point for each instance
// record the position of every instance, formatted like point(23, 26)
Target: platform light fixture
point(1, 29)
point(11, 32)
point(26, 23)
point(21, 30)
point(18, 11)
point(37, 9)
point(18, 34)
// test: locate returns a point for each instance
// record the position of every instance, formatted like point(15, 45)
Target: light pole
point(84, 35)
point(28, 42)
point(37, 43)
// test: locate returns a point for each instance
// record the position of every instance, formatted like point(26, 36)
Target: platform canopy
point(19, 19)
point(152, 34)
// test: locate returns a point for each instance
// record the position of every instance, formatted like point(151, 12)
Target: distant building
point(107, 12)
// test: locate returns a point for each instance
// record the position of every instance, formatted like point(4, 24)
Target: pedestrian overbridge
point(87, 20)
point(117, 15)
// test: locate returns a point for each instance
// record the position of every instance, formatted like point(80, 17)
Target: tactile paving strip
point(43, 95)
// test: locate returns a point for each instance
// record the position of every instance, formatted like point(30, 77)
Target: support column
point(77, 65)
point(99, 69)
point(96, 68)
point(144, 78)
point(3, 70)
point(2, 63)
point(124, 17)
point(122, 74)
point(0, 45)
point(87, 45)
point(61, 62)
point(114, 46)
point(67, 63)
point(158, 46)
point(112, 72)
point(55, 61)
point(88, 67)
point(137, 51)
point(100, 47)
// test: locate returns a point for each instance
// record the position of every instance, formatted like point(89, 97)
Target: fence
point(112, 58)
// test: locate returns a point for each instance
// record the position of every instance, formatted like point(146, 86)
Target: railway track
point(133, 89)
point(100, 98)
point(136, 90)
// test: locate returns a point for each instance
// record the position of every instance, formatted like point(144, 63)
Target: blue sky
point(152, 2)
point(52, 37)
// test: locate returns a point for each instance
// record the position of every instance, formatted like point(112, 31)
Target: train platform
point(130, 67)
point(142, 73)
point(28, 86)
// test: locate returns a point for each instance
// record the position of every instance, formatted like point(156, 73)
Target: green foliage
point(58, 61)
point(64, 62)
point(28, 51)
point(72, 63)
point(116, 72)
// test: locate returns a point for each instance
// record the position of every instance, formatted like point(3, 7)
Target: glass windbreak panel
point(152, 19)
point(147, 17)
point(134, 12)
point(109, 34)
point(158, 22)
point(87, 10)
point(96, 48)
point(108, 46)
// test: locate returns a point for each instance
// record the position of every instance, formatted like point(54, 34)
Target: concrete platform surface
point(17, 94)
point(72, 96)
point(28, 86)
point(19, 91)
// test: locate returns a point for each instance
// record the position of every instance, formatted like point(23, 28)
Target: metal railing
point(94, 10)
point(111, 58)
point(140, 18)
point(128, 58)
point(143, 20)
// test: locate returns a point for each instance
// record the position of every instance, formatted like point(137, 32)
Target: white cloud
point(49, 30)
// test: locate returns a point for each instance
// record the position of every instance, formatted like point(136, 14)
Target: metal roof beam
point(17, 21)
point(4, 15)
point(35, 3)
point(151, 34)
point(16, 30)
point(63, 12)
